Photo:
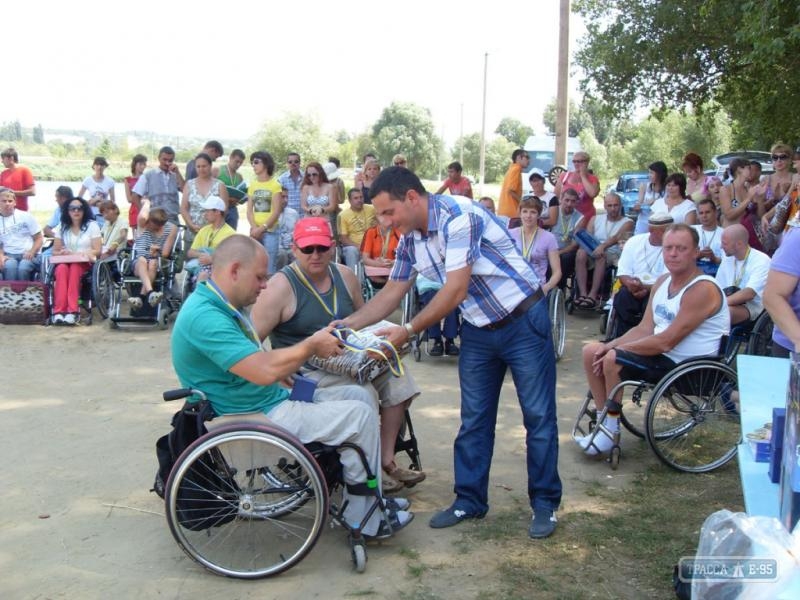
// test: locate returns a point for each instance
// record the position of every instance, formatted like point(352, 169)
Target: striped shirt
point(462, 233)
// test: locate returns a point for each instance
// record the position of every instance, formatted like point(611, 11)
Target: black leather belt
point(521, 309)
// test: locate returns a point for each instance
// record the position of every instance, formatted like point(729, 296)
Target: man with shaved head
point(742, 275)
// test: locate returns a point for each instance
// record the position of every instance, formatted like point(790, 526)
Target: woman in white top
point(675, 202)
point(99, 187)
point(653, 190)
point(79, 237)
point(114, 231)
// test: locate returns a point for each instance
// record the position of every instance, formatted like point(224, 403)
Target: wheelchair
point(411, 305)
point(754, 337)
point(689, 417)
point(557, 309)
point(249, 500)
point(128, 285)
point(96, 288)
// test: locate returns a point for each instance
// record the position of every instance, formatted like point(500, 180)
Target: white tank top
point(703, 341)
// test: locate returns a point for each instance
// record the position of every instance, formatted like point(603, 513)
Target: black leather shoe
point(450, 348)
point(438, 348)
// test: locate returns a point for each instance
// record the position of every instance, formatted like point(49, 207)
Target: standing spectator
point(214, 150)
point(549, 200)
point(353, 224)
point(286, 224)
point(195, 193)
point(511, 192)
point(675, 202)
point(78, 234)
point(99, 187)
point(230, 176)
point(506, 325)
point(63, 194)
point(696, 181)
point(331, 169)
point(782, 295)
point(291, 181)
point(264, 206)
point(399, 160)
point(735, 196)
point(20, 240)
point(371, 170)
point(17, 178)
point(317, 196)
point(653, 190)
point(455, 184)
point(161, 186)
point(583, 181)
point(138, 165)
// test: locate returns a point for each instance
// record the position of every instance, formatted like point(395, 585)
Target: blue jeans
point(525, 345)
point(271, 242)
point(19, 269)
point(450, 321)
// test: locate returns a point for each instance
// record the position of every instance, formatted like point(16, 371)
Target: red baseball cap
point(313, 231)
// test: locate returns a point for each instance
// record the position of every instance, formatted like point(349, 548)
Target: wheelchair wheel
point(760, 342)
point(558, 321)
point(234, 506)
point(103, 288)
point(693, 417)
point(634, 406)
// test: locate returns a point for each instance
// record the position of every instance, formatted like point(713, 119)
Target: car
point(628, 187)
point(721, 161)
point(541, 150)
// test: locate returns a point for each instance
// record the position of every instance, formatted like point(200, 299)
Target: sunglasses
point(579, 160)
point(780, 157)
point(310, 174)
point(399, 163)
point(255, 161)
point(75, 207)
point(293, 162)
point(317, 249)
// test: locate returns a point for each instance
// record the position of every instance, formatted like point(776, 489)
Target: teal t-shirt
point(207, 340)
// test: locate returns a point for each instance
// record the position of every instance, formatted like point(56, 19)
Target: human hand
point(397, 335)
point(325, 343)
point(597, 360)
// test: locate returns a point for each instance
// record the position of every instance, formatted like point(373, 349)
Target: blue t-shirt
point(207, 340)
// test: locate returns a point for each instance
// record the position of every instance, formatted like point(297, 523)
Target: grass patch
point(625, 549)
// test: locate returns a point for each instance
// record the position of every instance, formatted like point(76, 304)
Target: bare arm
point(731, 213)
point(780, 287)
point(275, 304)
point(185, 214)
point(555, 271)
point(167, 249)
point(380, 306)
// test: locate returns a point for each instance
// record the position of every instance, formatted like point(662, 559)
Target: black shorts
point(649, 368)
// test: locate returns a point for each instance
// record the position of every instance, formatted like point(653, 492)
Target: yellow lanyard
point(564, 226)
point(310, 287)
point(385, 242)
point(737, 279)
point(245, 324)
point(526, 248)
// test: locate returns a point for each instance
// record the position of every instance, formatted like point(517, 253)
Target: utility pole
point(562, 94)
point(483, 125)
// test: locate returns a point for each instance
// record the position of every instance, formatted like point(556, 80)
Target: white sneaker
point(135, 302)
point(600, 445)
point(58, 319)
point(154, 299)
point(69, 319)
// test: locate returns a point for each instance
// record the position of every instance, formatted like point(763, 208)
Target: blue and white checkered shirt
point(461, 233)
point(292, 188)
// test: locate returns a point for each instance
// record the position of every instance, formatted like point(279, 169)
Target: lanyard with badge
point(245, 324)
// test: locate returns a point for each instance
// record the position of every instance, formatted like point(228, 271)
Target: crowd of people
point(692, 259)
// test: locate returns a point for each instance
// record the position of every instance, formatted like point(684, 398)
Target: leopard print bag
point(24, 303)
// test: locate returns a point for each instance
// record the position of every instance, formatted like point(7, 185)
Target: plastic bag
point(746, 547)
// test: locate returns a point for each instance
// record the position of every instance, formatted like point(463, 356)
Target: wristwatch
point(409, 329)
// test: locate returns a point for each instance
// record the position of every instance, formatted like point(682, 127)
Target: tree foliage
point(740, 56)
point(514, 131)
point(299, 133)
point(407, 129)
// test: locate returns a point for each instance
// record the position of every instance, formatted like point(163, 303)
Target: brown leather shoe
point(407, 477)
point(389, 485)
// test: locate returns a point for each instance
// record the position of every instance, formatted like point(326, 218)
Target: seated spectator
point(640, 264)
point(79, 237)
point(742, 275)
point(20, 240)
point(377, 250)
point(353, 224)
point(567, 223)
point(607, 229)
point(208, 238)
point(114, 232)
point(549, 214)
point(154, 244)
point(427, 290)
point(309, 294)
point(710, 233)
point(538, 246)
point(215, 349)
point(675, 202)
point(685, 318)
point(782, 295)
point(488, 204)
point(286, 224)
point(455, 184)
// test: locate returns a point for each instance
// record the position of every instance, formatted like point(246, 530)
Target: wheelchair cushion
point(24, 302)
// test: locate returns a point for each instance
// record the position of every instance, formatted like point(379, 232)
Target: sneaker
point(69, 319)
point(389, 485)
point(397, 521)
point(450, 348)
point(438, 348)
point(407, 477)
point(154, 299)
point(600, 445)
point(397, 504)
point(58, 319)
point(135, 302)
point(452, 516)
point(543, 523)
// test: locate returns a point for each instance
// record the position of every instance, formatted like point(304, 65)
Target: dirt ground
point(78, 430)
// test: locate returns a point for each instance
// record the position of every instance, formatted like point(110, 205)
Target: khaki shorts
point(387, 389)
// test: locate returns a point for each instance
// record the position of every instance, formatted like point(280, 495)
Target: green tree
point(681, 53)
point(299, 133)
point(104, 149)
point(38, 134)
point(472, 153)
point(407, 128)
point(498, 158)
point(514, 131)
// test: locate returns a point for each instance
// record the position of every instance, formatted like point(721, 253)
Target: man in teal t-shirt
point(215, 349)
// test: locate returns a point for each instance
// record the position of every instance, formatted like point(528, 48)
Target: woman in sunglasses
point(766, 195)
point(318, 195)
point(77, 236)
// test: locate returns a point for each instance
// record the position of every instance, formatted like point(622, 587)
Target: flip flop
point(582, 301)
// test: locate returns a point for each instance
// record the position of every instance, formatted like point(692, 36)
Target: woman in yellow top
point(265, 205)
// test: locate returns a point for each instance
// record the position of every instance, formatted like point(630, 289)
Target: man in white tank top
point(685, 318)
